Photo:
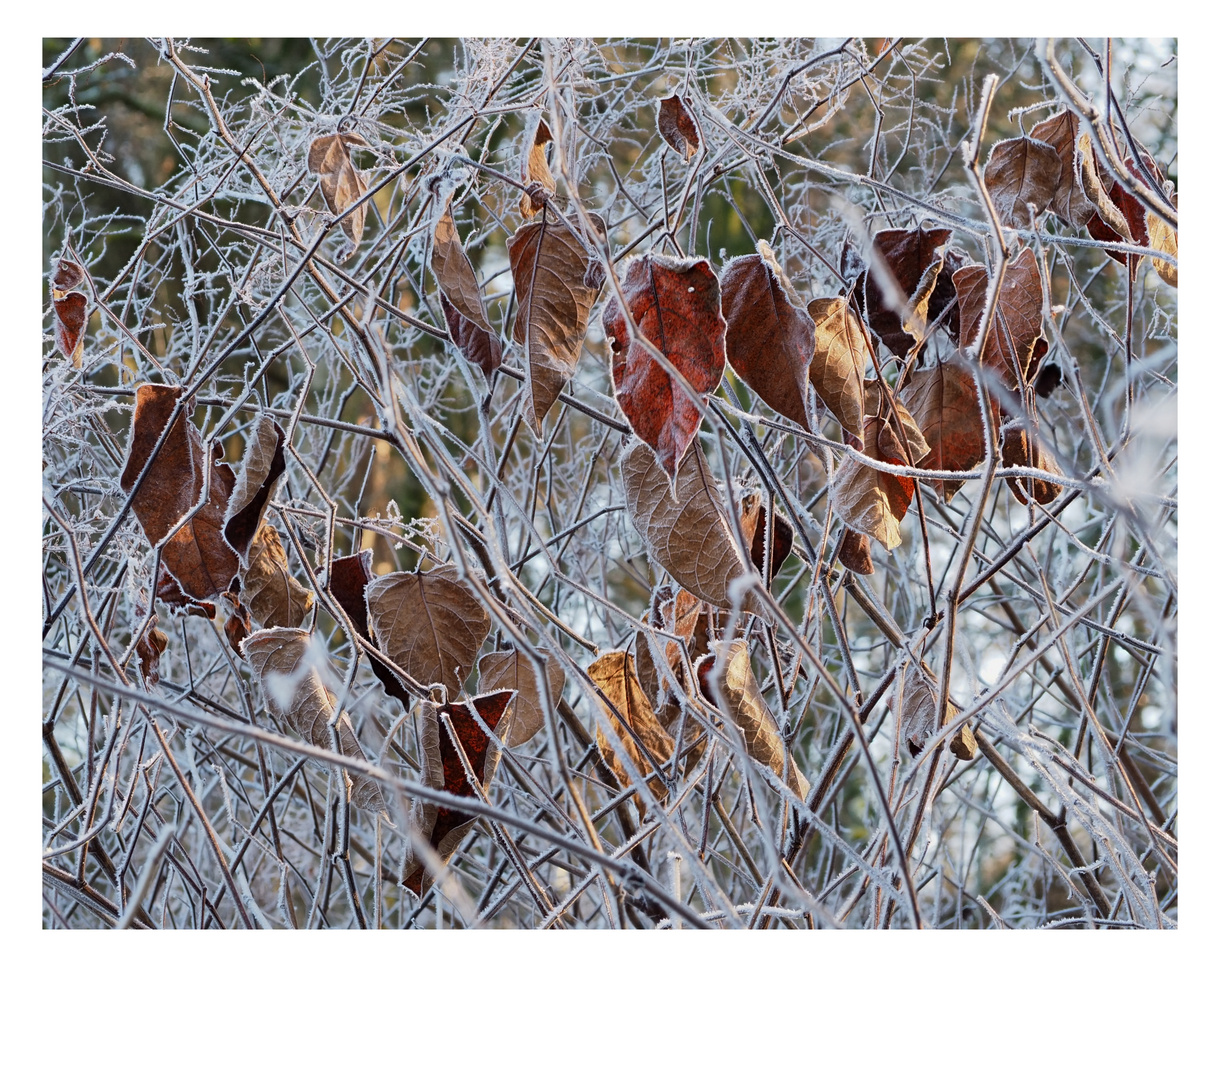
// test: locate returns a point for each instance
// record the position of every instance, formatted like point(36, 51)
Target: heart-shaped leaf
point(430, 623)
point(839, 362)
point(1017, 324)
point(442, 827)
point(685, 528)
point(262, 465)
point(1022, 178)
point(268, 590)
point(292, 672)
point(553, 275)
point(349, 577)
point(769, 340)
point(676, 126)
point(511, 670)
point(676, 306)
point(943, 401)
point(1069, 203)
point(330, 159)
point(535, 172)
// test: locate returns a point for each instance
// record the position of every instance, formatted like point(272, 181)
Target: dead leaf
point(454, 273)
point(477, 346)
point(1021, 448)
point(735, 692)
point(551, 273)
point(614, 674)
point(676, 306)
point(687, 532)
point(292, 673)
point(769, 340)
point(262, 465)
point(1021, 172)
point(1017, 324)
point(753, 520)
point(511, 670)
point(676, 126)
point(349, 577)
point(913, 702)
point(878, 404)
point(442, 827)
point(854, 552)
point(169, 593)
point(237, 625)
point(1069, 203)
point(430, 623)
point(943, 401)
point(68, 276)
point(535, 172)
point(839, 361)
point(870, 501)
point(70, 318)
point(330, 159)
point(196, 554)
point(149, 648)
point(268, 590)
point(1163, 237)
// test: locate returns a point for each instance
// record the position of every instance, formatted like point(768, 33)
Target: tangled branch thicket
point(940, 708)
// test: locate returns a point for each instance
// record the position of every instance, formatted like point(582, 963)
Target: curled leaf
point(535, 172)
point(330, 159)
point(684, 528)
point(441, 827)
point(1163, 237)
point(477, 346)
point(237, 625)
point(839, 362)
point(454, 273)
point(292, 673)
point(943, 401)
point(1069, 203)
point(149, 648)
point(170, 594)
point(753, 524)
point(71, 314)
point(261, 467)
point(1022, 177)
point(868, 500)
point(733, 688)
point(555, 292)
point(877, 403)
point(913, 702)
point(68, 276)
point(430, 623)
point(769, 340)
point(677, 127)
point(511, 670)
point(268, 590)
point(676, 306)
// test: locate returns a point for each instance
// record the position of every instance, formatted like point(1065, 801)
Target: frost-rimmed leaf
point(1163, 237)
point(196, 554)
point(552, 273)
point(685, 530)
point(1017, 324)
point(430, 623)
point(677, 127)
point(868, 500)
point(943, 401)
point(262, 465)
point(71, 310)
point(340, 181)
point(753, 522)
point(913, 702)
point(535, 172)
point(268, 590)
point(769, 340)
point(453, 272)
point(350, 576)
point(149, 648)
point(1021, 448)
point(1069, 203)
point(675, 304)
point(1021, 172)
point(441, 827)
point(839, 361)
point(293, 679)
point(736, 693)
point(877, 403)
point(614, 673)
point(511, 670)
point(854, 552)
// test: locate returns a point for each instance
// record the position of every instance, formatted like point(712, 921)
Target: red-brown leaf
point(1069, 203)
point(70, 319)
point(769, 340)
point(1023, 449)
point(868, 500)
point(753, 521)
point(677, 127)
point(1017, 324)
point(262, 465)
point(676, 305)
point(349, 576)
point(477, 346)
point(854, 552)
point(1021, 172)
point(944, 403)
point(1133, 213)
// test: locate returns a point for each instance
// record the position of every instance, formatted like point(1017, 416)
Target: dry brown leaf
point(349, 577)
point(171, 594)
point(854, 552)
point(330, 158)
point(1020, 172)
point(1109, 222)
point(1069, 203)
point(753, 521)
point(1022, 448)
point(262, 465)
point(430, 623)
point(736, 693)
point(551, 272)
point(1017, 324)
point(454, 273)
point(268, 590)
point(770, 339)
point(677, 127)
point(913, 702)
point(442, 827)
point(944, 403)
point(535, 172)
point(686, 530)
point(1163, 237)
point(839, 362)
point(237, 625)
point(878, 404)
point(870, 501)
point(292, 672)
point(511, 670)
point(149, 648)
point(614, 674)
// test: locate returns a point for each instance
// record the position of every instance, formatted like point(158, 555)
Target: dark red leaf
point(854, 552)
point(1133, 213)
point(1017, 324)
point(70, 319)
point(676, 126)
point(676, 305)
point(753, 520)
point(68, 276)
point(169, 593)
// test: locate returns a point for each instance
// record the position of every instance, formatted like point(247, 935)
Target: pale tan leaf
point(686, 530)
point(1095, 190)
point(454, 273)
point(736, 693)
point(839, 360)
point(1163, 237)
point(535, 172)
point(262, 465)
point(1021, 172)
point(555, 291)
point(268, 590)
point(330, 159)
point(511, 670)
point(293, 674)
point(430, 623)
